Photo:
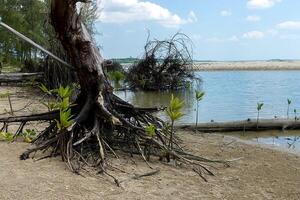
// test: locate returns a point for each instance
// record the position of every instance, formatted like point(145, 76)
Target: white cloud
point(254, 35)
point(192, 17)
point(253, 18)
point(123, 11)
point(225, 13)
point(289, 25)
point(261, 4)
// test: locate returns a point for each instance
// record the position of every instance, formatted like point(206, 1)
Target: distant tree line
point(31, 18)
point(28, 17)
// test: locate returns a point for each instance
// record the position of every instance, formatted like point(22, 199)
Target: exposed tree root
point(103, 124)
point(93, 139)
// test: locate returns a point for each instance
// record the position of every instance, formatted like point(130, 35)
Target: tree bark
point(85, 57)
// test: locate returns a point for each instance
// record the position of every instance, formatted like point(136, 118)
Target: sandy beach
point(260, 173)
point(248, 65)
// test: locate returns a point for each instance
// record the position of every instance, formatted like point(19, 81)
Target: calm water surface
point(233, 95)
point(288, 140)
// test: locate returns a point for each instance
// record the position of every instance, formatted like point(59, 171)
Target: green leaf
point(289, 101)
point(116, 76)
point(174, 108)
point(64, 104)
point(199, 95)
point(6, 136)
point(45, 89)
point(51, 105)
point(64, 92)
point(65, 119)
point(29, 135)
point(259, 106)
point(150, 130)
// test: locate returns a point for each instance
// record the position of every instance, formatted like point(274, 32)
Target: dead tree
point(166, 64)
point(103, 123)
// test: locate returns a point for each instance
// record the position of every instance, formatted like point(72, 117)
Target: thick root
point(95, 136)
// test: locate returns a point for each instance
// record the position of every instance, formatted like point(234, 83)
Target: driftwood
point(19, 77)
point(246, 125)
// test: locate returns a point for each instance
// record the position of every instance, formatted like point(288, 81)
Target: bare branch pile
point(165, 65)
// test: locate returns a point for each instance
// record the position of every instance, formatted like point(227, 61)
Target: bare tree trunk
point(84, 55)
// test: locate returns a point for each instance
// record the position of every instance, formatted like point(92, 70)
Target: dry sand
point(262, 173)
point(248, 65)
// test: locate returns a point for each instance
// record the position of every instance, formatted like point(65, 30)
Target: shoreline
point(246, 65)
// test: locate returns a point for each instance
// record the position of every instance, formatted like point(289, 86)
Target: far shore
point(247, 65)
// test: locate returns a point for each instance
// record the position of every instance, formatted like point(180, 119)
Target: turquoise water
point(231, 95)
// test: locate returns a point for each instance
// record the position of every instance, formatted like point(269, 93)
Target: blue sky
point(219, 29)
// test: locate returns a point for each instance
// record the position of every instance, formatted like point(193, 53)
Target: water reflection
point(282, 139)
point(161, 99)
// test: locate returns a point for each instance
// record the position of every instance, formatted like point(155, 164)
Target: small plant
point(288, 108)
point(45, 89)
point(5, 136)
point(150, 130)
point(64, 92)
point(29, 135)
point(62, 103)
point(199, 97)
point(116, 76)
point(65, 119)
point(50, 105)
point(295, 113)
point(259, 107)
point(174, 113)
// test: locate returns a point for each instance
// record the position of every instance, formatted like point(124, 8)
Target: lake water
point(231, 95)
point(288, 140)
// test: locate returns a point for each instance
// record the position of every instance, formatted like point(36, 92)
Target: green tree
point(28, 18)
point(31, 18)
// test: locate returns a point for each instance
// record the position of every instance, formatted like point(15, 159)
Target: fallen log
point(245, 125)
point(34, 117)
point(19, 77)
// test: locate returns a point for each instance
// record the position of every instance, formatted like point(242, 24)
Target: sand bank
point(248, 65)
